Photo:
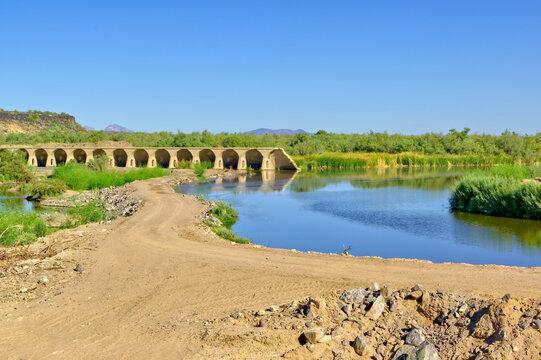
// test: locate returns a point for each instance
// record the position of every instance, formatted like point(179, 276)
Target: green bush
point(497, 195)
point(46, 188)
point(225, 213)
point(14, 167)
point(32, 228)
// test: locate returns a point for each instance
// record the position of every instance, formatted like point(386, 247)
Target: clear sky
point(229, 65)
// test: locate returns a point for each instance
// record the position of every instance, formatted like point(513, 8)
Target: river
point(390, 213)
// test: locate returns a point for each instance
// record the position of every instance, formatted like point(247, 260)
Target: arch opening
point(60, 157)
point(26, 155)
point(280, 161)
point(98, 152)
point(184, 158)
point(207, 157)
point(41, 157)
point(231, 159)
point(120, 158)
point(254, 159)
point(163, 158)
point(141, 158)
point(80, 156)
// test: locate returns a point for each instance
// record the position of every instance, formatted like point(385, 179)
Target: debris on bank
point(117, 200)
point(380, 323)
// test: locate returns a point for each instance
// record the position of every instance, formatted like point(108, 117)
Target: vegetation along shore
point(510, 191)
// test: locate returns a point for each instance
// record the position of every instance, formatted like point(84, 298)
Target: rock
point(23, 290)
point(274, 308)
point(377, 308)
point(425, 351)
point(43, 280)
point(213, 220)
point(417, 288)
point(312, 336)
point(79, 268)
point(325, 339)
point(353, 296)
point(261, 312)
point(415, 337)
point(308, 324)
point(374, 287)
point(428, 350)
point(483, 328)
point(361, 346)
point(263, 322)
point(347, 309)
point(386, 292)
point(536, 324)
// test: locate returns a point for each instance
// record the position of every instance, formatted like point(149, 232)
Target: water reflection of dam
point(264, 181)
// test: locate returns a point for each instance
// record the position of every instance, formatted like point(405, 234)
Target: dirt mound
point(381, 323)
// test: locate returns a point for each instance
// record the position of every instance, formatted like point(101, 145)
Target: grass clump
point(45, 188)
point(228, 216)
point(21, 228)
point(499, 192)
point(86, 214)
point(200, 168)
point(81, 177)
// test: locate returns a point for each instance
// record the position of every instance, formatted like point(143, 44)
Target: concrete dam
point(52, 155)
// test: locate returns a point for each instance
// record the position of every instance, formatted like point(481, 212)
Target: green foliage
point(230, 235)
point(99, 163)
point(499, 195)
point(381, 160)
point(184, 164)
point(13, 166)
point(32, 228)
point(508, 145)
point(225, 213)
point(86, 214)
point(200, 168)
point(81, 177)
point(45, 188)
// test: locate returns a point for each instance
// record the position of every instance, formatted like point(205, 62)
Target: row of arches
point(230, 159)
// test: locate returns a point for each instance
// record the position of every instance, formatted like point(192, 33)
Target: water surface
point(389, 213)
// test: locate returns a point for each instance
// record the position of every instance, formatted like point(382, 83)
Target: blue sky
point(230, 65)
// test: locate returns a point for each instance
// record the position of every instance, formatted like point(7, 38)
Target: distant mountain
point(117, 128)
point(89, 128)
point(264, 131)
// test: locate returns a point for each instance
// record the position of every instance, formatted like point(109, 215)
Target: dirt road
point(157, 276)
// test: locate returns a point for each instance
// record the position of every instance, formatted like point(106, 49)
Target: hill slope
point(15, 122)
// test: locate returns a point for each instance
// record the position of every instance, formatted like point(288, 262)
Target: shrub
point(46, 188)
point(13, 166)
point(497, 195)
point(225, 213)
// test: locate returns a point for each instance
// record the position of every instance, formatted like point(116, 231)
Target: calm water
point(389, 213)
point(16, 203)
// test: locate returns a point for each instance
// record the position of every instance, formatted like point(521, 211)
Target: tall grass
point(499, 192)
point(382, 160)
point(80, 177)
point(11, 223)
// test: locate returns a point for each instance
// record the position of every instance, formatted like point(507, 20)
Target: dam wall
point(167, 157)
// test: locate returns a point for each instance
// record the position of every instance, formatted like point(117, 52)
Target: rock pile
point(118, 201)
point(380, 323)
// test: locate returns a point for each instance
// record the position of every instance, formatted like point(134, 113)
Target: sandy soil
point(153, 279)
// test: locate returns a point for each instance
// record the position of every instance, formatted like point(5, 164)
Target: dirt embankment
point(159, 285)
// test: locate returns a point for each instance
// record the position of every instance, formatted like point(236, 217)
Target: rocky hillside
point(14, 122)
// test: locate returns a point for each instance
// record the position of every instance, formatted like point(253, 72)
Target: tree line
point(524, 147)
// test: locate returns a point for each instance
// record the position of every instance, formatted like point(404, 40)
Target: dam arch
point(231, 159)
point(184, 158)
point(254, 159)
point(120, 158)
point(207, 155)
point(60, 157)
point(80, 156)
point(41, 157)
point(140, 156)
point(163, 158)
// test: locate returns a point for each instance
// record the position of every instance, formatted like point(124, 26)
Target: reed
point(384, 160)
point(500, 192)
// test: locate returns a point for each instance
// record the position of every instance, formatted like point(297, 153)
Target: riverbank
point(151, 283)
point(384, 160)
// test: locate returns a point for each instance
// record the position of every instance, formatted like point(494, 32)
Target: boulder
point(377, 308)
point(352, 296)
point(415, 337)
point(361, 346)
point(312, 336)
